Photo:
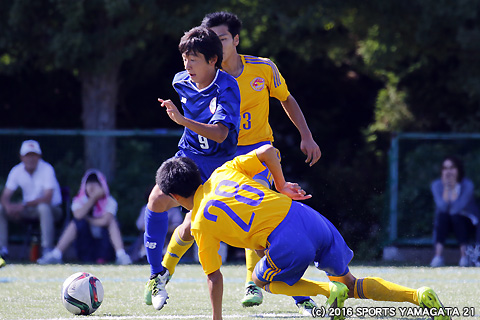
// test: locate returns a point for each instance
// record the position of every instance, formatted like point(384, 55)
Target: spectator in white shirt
point(41, 196)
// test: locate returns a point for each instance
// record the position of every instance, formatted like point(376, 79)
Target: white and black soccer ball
point(82, 293)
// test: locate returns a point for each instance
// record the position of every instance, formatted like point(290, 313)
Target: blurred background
point(72, 73)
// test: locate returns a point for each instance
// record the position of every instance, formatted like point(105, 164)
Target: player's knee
point(258, 282)
point(184, 231)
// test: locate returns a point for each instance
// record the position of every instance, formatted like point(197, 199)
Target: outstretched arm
point(215, 288)
point(268, 155)
point(308, 144)
point(216, 132)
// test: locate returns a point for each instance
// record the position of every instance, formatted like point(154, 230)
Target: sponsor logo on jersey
point(184, 100)
point(258, 84)
point(213, 105)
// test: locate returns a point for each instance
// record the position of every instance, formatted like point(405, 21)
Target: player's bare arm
point(215, 288)
point(307, 144)
point(268, 155)
point(160, 202)
point(216, 132)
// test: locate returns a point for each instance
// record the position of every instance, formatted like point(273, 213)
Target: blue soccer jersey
point(217, 103)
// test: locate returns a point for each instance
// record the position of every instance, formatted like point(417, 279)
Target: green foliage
point(359, 70)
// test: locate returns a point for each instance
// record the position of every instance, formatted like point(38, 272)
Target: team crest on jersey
point(258, 84)
point(213, 105)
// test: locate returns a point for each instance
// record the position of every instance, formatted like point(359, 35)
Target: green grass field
point(33, 292)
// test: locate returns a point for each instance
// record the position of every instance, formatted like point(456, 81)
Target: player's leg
point(156, 226)
point(253, 294)
point(378, 289)
point(335, 292)
point(179, 244)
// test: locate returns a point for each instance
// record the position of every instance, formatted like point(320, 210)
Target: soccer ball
point(82, 293)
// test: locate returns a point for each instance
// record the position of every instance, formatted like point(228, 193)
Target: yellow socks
point(175, 250)
point(251, 259)
point(303, 287)
point(382, 290)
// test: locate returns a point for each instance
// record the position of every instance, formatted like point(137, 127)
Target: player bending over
point(233, 208)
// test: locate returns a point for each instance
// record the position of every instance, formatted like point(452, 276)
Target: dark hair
point(180, 176)
point(457, 163)
point(203, 40)
point(92, 178)
point(216, 19)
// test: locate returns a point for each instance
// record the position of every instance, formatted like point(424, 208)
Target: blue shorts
point(265, 175)
point(206, 165)
point(303, 237)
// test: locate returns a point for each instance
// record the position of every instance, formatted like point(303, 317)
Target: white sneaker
point(49, 258)
point(123, 259)
point(159, 294)
point(437, 262)
point(464, 262)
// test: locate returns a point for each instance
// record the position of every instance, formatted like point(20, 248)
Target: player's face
point(228, 42)
point(201, 71)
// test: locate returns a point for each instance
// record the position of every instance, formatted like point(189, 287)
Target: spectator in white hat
point(41, 196)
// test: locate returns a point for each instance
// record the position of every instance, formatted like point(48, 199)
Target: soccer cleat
point(147, 292)
point(2, 262)
point(49, 258)
point(306, 307)
point(338, 295)
point(253, 295)
point(427, 298)
point(159, 295)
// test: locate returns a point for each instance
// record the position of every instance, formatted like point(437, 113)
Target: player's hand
point(293, 191)
point(311, 149)
point(172, 110)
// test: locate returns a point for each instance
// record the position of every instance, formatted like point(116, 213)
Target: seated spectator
point(94, 225)
point(455, 209)
point(41, 196)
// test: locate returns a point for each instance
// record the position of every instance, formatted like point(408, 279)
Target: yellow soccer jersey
point(231, 207)
point(259, 80)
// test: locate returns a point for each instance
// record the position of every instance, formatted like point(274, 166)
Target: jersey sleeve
point(228, 106)
point(208, 248)
point(50, 180)
point(12, 183)
point(277, 85)
point(111, 206)
point(248, 164)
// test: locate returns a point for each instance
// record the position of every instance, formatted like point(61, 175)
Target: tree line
point(359, 70)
